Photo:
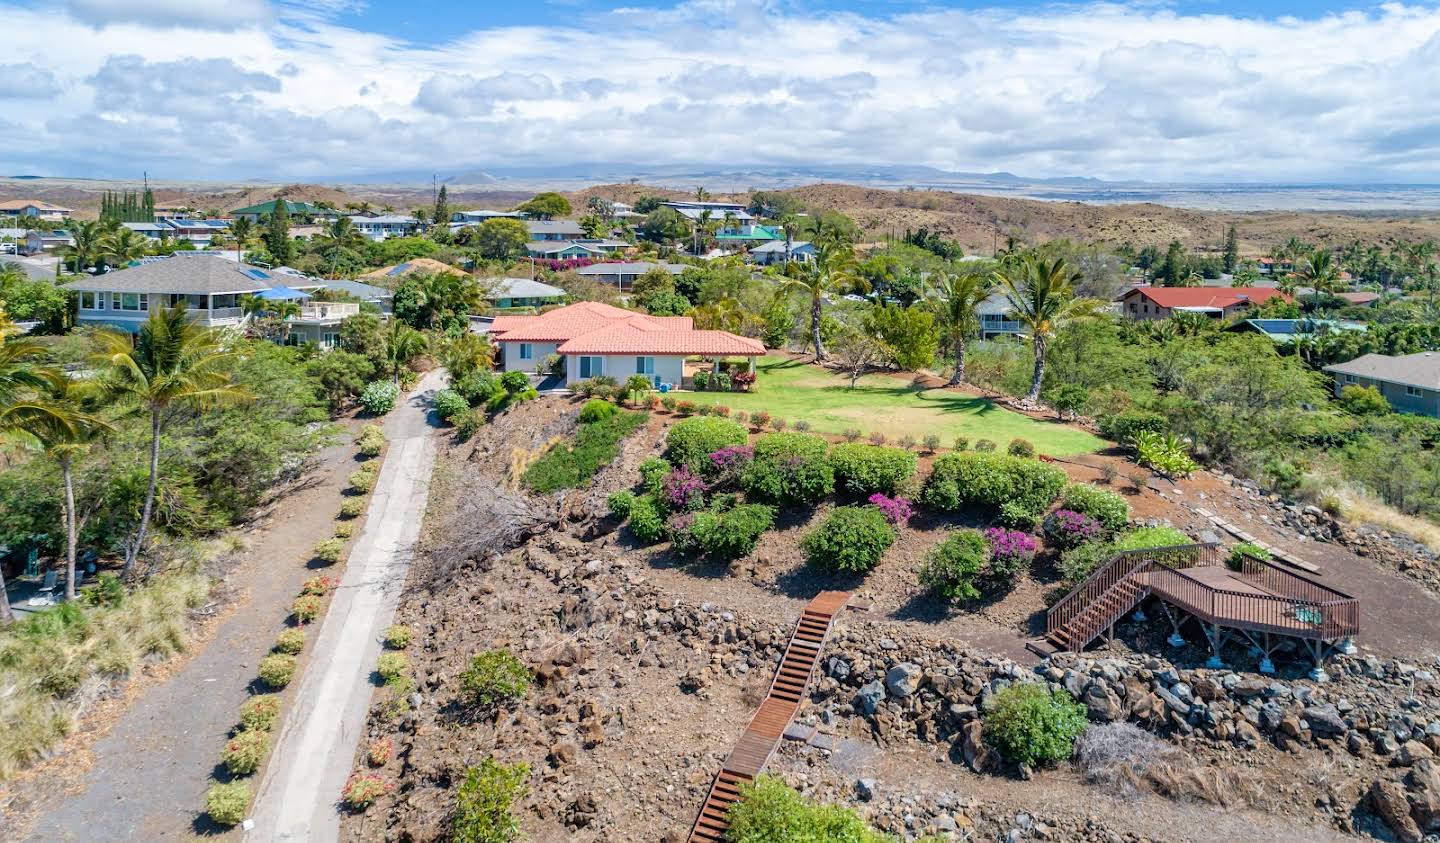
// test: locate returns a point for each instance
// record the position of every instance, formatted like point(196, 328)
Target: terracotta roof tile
point(1208, 296)
point(595, 328)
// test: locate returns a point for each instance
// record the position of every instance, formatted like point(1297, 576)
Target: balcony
point(327, 311)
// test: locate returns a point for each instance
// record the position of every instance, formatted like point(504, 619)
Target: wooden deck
point(787, 692)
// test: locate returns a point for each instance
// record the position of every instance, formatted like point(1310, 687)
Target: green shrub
point(789, 468)
point(371, 440)
point(398, 637)
point(984, 446)
point(668, 402)
point(363, 789)
point(363, 478)
point(597, 410)
point(470, 423)
point(477, 387)
point(352, 508)
point(1079, 563)
point(1148, 537)
point(769, 811)
point(760, 419)
point(1032, 725)
point(483, 803)
point(244, 752)
point(620, 503)
point(495, 678)
point(226, 804)
point(277, 669)
point(851, 538)
point(260, 712)
point(732, 534)
point(931, 442)
point(1235, 561)
point(867, 469)
point(653, 471)
point(1363, 400)
point(701, 381)
point(291, 641)
point(305, 609)
point(449, 404)
point(1124, 427)
point(379, 397)
point(955, 565)
point(1108, 508)
point(391, 665)
point(993, 480)
point(691, 441)
point(344, 530)
point(330, 550)
point(647, 521)
point(1021, 448)
point(595, 446)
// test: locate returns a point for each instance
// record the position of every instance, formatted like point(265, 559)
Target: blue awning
point(281, 293)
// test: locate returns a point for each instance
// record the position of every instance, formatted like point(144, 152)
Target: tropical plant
point(1042, 297)
point(172, 365)
point(830, 273)
point(402, 344)
point(1031, 724)
point(1165, 453)
point(955, 300)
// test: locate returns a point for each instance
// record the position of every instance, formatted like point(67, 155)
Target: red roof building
point(1216, 302)
point(599, 339)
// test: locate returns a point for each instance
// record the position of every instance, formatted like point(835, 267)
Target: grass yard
point(794, 390)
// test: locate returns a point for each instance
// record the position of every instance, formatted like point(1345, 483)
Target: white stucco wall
point(513, 363)
point(668, 369)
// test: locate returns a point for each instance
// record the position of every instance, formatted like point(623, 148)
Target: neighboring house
point(428, 266)
point(479, 216)
point(1215, 302)
point(366, 293)
point(623, 274)
point(151, 230)
point(385, 227)
point(34, 208)
point(554, 230)
point(1364, 299)
point(199, 232)
point(562, 250)
point(1411, 383)
point(747, 234)
point(597, 339)
point(255, 213)
point(47, 241)
point(774, 252)
point(510, 293)
point(1286, 331)
point(997, 318)
point(695, 211)
point(212, 289)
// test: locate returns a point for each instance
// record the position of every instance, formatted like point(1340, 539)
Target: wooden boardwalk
point(787, 692)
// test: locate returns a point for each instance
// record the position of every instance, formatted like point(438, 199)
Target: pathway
point(316, 747)
point(152, 769)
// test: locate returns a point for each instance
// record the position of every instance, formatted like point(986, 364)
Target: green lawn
point(794, 390)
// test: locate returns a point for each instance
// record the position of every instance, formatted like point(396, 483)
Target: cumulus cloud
point(1112, 90)
point(26, 81)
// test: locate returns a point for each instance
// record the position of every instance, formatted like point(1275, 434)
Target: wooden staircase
point(788, 691)
point(1110, 606)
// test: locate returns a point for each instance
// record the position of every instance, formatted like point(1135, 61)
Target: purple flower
point(895, 510)
point(1068, 528)
point(1010, 545)
point(732, 459)
point(683, 489)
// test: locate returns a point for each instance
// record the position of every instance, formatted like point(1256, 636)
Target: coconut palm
point(832, 271)
point(85, 248)
point(724, 314)
point(402, 343)
point(1318, 271)
point(955, 300)
point(121, 246)
point(243, 230)
point(466, 353)
point(1042, 296)
point(284, 311)
point(171, 365)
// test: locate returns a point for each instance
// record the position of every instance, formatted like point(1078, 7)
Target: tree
point(441, 300)
point(171, 365)
point(1232, 249)
point(1174, 269)
point(858, 352)
point(546, 206)
point(441, 214)
point(466, 353)
point(955, 301)
point(402, 344)
point(701, 194)
point(121, 246)
point(594, 226)
point(1043, 299)
point(832, 271)
point(243, 230)
point(909, 334)
point(85, 248)
point(502, 238)
point(1319, 272)
point(277, 234)
point(665, 225)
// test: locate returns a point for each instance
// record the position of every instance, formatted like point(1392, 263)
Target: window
point(644, 365)
point(92, 301)
point(129, 301)
point(591, 367)
point(330, 339)
point(527, 351)
point(1414, 392)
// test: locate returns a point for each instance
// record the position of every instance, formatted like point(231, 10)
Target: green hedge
point(647, 520)
point(596, 446)
point(770, 812)
point(851, 538)
point(992, 480)
point(733, 534)
point(597, 409)
point(1108, 508)
point(691, 440)
point(955, 565)
point(789, 468)
point(866, 469)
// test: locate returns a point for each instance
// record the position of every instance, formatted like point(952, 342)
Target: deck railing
point(1120, 566)
point(1303, 608)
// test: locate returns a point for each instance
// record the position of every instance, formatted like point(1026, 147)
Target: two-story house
point(34, 209)
point(997, 318)
point(385, 227)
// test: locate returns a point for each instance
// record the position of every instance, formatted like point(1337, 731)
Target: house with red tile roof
point(1215, 302)
point(599, 339)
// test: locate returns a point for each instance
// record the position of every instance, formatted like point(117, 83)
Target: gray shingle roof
point(194, 274)
point(1422, 369)
point(567, 228)
point(525, 288)
point(779, 246)
point(630, 267)
point(359, 290)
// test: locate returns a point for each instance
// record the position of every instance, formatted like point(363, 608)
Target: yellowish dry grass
point(1362, 508)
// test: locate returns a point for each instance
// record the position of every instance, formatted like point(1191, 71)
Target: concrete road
point(312, 758)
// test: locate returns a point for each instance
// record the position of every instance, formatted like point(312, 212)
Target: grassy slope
point(794, 391)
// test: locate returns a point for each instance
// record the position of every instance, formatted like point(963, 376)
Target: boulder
point(973, 748)
point(1388, 800)
point(1412, 752)
point(1102, 703)
point(865, 789)
point(868, 698)
point(1423, 783)
point(903, 679)
point(1325, 720)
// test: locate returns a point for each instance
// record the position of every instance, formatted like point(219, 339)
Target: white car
point(7, 248)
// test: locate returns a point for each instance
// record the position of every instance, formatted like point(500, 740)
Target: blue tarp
point(281, 293)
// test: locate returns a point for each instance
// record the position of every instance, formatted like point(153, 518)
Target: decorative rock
point(903, 679)
point(1388, 800)
point(869, 697)
point(1411, 752)
point(865, 789)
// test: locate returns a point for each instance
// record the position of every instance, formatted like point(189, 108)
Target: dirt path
point(312, 757)
point(151, 771)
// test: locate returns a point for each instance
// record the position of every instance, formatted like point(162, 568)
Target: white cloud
point(1111, 90)
point(26, 81)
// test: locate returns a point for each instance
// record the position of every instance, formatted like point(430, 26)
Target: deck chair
point(46, 595)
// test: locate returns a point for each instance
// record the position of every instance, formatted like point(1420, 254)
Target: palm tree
point(85, 248)
point(731, 221)
point(957, 297)
point(284, 311)
point(1319, 271)
point(467, 353)
point(701, 194)
point(171, 365)
point(725, 314)
point(243, 230)
point(1043, 298)
point(832, 270)
point(121, 246)
point(401, 344)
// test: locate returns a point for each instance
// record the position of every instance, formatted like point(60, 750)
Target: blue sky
point(327, 89)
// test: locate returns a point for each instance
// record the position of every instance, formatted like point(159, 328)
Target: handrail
point(1106, 577)
point(1337, 618)
point(1266, 573)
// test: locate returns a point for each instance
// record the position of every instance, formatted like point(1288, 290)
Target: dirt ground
point(643, 693)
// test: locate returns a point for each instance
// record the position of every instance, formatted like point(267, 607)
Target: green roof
point(758, 232)
point(269, 208)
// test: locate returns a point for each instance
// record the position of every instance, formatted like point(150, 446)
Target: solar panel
point(258, 274)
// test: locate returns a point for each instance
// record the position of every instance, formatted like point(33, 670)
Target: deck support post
point(1175, 639)
point(1317, 650)
point(1347, 647)
point(1216, 638)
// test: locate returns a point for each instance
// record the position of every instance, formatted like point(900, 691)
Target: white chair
point(46, 595)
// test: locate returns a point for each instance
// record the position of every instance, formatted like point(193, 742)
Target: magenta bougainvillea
point(683, 489)
point(1068, 528)
point(896, 510)
point(1010, 545)
point(729, 461)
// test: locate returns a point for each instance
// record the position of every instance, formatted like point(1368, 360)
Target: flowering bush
point(693, 440)
point(363, 789)
point(1066, 528)
point(319, 586)
point(244, 752)
point(306, 608)
point(379, 751)
point(789, 468)
point(895, 510)
point(727, 463)
point(864, 469)
point(743, 381)
point(259, 712)
point(683, 490)
point(681, 534)
point(1010, 550)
